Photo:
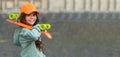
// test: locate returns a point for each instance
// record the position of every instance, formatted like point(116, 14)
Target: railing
point(7, 6)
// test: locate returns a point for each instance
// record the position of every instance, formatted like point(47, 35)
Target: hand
point(37, 27)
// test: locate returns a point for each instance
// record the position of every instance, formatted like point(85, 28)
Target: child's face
point(31, 18)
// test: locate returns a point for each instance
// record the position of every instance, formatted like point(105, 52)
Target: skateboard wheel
point(45, 26)
point(12, 16)
point(48, 26)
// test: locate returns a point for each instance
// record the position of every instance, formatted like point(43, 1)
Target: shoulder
point(24, 31)
point(21, 30)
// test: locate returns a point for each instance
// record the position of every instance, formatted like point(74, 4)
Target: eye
point(34, 14)
point(28, 14)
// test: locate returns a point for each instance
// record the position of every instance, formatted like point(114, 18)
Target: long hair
point(38, 43)
point(22, 19)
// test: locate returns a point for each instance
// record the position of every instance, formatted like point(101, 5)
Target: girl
point(29, 40)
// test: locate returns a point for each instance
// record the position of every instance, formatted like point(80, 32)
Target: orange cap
point(28, 8)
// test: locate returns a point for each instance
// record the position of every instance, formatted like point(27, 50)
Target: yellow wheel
point(45, 26)
point(48, 26)
point(12, 16)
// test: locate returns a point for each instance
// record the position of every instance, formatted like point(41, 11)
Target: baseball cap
point(28, 8)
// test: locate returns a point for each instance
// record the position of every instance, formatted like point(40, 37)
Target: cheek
point(27, 18)
point(30, 21)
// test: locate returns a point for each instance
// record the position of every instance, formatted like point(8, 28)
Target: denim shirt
point(26, 38)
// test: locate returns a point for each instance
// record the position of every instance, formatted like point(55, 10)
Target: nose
point(32, 16)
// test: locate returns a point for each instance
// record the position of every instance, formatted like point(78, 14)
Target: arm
point(29, 27)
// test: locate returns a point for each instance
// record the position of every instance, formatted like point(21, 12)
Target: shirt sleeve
point(33, 34)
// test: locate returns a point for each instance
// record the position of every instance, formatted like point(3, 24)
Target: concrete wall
point(80, 28)
point(74, 35)
point(9, 6)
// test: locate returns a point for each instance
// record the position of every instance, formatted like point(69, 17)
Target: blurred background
point(80, 28)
